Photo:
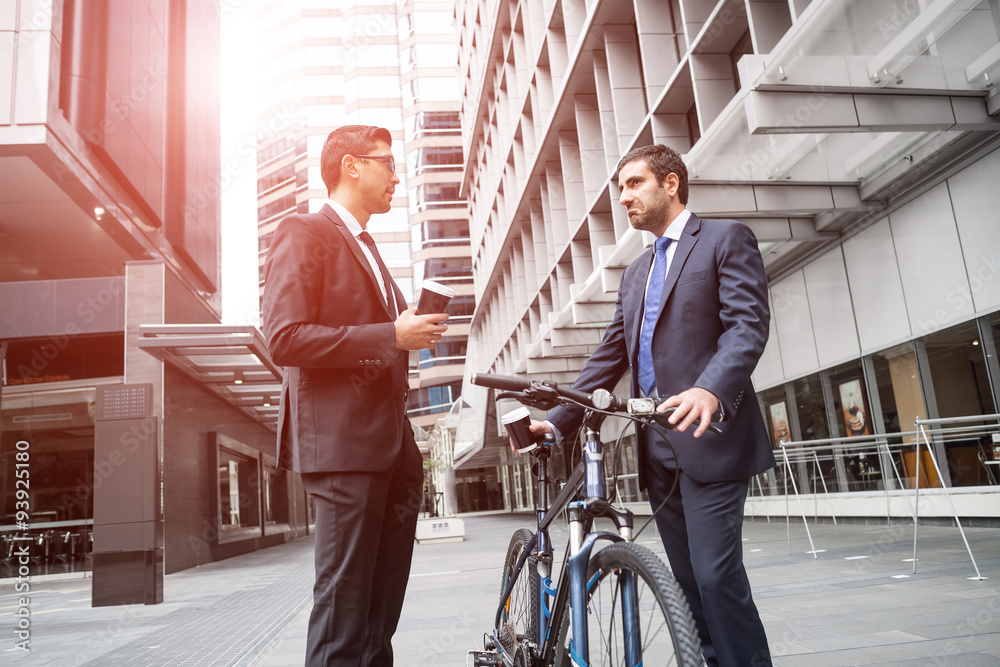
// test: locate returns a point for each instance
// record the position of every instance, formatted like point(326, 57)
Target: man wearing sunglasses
point(337, 322)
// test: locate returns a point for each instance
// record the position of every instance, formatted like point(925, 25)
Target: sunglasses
point(388, 159)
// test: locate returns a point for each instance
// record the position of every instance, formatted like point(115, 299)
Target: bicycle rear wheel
point(665, 632)
point(519, 617)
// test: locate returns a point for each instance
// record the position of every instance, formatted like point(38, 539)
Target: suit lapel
point(359, 254)
point(684, 246)
point(635, 293)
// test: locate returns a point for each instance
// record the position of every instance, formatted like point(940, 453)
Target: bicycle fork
point(580, 547)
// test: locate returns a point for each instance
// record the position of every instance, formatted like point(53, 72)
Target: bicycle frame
point(589, 476)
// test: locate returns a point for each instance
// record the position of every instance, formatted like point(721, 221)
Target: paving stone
point(828, 610)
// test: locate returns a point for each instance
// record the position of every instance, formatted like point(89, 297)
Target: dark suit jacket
point(343, 402)
point(711, 330)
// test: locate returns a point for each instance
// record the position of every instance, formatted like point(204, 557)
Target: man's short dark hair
point(662, 161)
point(348, 140)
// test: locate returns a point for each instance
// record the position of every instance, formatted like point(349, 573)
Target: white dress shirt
point(355, 228)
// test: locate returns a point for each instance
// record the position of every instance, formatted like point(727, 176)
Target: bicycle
point(616, 605)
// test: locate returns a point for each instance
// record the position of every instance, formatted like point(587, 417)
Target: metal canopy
point(230, 361)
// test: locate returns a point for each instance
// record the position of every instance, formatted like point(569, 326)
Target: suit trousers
point(365, 527)
point(701, 526)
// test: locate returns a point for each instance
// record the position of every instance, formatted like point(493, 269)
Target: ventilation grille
point(124, 401)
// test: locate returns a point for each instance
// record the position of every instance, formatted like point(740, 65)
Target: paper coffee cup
point(434, 298)
point(517, 423)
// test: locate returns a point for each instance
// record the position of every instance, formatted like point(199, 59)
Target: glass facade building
point(111, 443)
point(387, 63)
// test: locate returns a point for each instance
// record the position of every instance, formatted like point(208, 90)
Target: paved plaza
point(855, 603)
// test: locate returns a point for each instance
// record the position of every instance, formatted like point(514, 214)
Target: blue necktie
point(651, 310)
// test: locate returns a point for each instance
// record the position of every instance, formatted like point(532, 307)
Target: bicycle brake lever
point(537, 395)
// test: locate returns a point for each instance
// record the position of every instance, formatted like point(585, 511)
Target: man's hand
point(418, 332)
point(695, 403)
point(537, 428)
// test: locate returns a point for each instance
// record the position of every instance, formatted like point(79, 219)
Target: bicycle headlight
point(601, 398)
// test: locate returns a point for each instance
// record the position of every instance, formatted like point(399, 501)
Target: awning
point(230, 361)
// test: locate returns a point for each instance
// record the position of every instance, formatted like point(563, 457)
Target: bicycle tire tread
point(518, 541)
point(664, 587)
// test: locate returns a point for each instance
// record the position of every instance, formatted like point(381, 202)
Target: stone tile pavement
point(854, 603)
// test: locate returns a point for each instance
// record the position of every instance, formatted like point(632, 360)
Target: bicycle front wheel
point(520, 611)
point(656, 627)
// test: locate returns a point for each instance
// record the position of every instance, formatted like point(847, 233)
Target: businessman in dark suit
point(690, 326)
point(334, 318)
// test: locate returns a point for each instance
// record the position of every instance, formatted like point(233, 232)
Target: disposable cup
point(434, 298)
point(517, 423)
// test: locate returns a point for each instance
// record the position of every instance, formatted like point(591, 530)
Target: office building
point(144, 427)
point(858, 139)
point(327, 64)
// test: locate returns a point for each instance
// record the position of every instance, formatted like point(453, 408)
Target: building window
point(776, 415)
point(55, 431)
point(439, 120)
point(850, 401)
point(285, 204)
point(439, 155)
point(61, 358)
point(443, 230)
point(811, 407)
point(238, 475)
point(899, 390)
point(449, 267)
point(462, 306)
point(431, 400)
point(275, 496)
point(958, 372)
point(237, 497)
point(438, 192)
point(285, 174)
point(444, 353)
point(957, 367)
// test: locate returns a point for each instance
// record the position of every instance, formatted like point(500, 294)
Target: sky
point(239, 165)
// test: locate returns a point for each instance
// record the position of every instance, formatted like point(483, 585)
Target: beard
point(655, 215)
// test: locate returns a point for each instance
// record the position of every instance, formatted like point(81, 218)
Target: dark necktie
point(367, 239)
point(651, 310)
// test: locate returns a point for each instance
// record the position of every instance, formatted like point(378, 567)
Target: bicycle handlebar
point(546, 394)
point(601, 399)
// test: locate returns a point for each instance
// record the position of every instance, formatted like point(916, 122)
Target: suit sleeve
point(602, 371)
point(744, 314)
point(295, 282)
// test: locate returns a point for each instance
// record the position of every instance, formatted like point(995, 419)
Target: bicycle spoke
point(660, 619)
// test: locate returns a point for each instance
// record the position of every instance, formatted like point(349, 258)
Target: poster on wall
point(779, 422)
point(853, 406)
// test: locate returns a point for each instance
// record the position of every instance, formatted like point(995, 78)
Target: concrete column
point(128, 458)
point(450, 492)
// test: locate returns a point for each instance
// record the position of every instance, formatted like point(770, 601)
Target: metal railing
point(888, 462)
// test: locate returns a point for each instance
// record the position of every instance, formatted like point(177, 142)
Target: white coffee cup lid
point(514, 415)
point(435, 286)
